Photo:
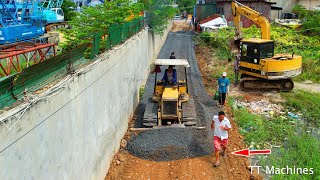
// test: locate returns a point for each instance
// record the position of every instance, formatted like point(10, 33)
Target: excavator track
point(189, 116)
point(251, 84)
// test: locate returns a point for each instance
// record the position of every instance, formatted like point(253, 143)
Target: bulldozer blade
point(189, 115)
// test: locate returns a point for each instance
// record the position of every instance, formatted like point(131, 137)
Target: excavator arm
point(239, 9)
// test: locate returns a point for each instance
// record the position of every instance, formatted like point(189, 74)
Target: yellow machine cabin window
point(266, 50)
point(244, 50)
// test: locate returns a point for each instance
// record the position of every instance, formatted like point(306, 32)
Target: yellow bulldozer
point(260, 68)
point(170, 101)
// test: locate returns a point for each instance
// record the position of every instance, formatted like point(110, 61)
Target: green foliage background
point(158, 13)
point(311, 23)
point(186, 5)
point(98, 19)
point(296, 148)
point(67, 6)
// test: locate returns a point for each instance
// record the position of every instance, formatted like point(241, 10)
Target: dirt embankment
point(306, 86)
point(181, 25)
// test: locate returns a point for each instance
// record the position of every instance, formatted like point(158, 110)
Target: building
point(286, 6)
point(204, 9)
point(261, 6)
point(308, 4)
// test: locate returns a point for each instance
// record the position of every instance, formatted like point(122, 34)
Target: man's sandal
point(223, 154)
point(216, 164)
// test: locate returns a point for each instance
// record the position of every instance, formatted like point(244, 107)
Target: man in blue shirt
point(223, 88)
point(170, 76)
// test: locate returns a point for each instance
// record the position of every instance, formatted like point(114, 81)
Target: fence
point(31, 79)
point(115, 35)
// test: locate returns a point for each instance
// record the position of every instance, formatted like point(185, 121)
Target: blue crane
point(51, 11)
point(29, 25)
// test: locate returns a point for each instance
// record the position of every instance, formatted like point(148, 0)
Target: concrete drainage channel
point(173, 143)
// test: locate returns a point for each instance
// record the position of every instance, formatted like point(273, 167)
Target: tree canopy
point(311, 23)
point(186, 5)
point(98, 19)
point(67, 7)
point(158, 13)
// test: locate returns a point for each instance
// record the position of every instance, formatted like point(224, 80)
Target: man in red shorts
point(221, 125)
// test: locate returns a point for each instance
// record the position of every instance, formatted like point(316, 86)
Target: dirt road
point(180, 153)
point(307, 87)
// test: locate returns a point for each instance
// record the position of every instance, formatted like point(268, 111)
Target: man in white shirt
point(221, 125)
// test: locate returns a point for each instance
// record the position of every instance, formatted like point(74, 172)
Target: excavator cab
point(255, 49)
point(258, 64)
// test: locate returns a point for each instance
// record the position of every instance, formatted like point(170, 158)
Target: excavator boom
point(239, 9)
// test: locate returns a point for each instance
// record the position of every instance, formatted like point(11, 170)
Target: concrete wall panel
point(75, 133)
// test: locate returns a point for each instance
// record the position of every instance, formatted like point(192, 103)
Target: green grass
point(305, 102)
point(310, 69)
point(23, 64)
point(219, 70)
point(299, 150)
point(259, 131)
point(141, 92)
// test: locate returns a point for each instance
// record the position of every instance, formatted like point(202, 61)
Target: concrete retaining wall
point(75, 133)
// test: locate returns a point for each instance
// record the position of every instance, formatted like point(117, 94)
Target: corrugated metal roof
point(207, 19)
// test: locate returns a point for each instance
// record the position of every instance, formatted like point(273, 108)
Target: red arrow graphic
point(248, 152)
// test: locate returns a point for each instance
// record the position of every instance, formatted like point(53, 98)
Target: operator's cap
point(224, 74)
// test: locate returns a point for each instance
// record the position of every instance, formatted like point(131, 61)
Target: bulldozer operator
point(170, 76)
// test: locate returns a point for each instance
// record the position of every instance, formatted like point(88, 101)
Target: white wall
point(74, 134)
point(309, 4)
point(286, 5)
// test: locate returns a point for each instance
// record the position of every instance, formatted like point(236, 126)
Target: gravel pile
point(170, 144)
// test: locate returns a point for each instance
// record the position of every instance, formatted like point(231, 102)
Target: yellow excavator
point(259, 67)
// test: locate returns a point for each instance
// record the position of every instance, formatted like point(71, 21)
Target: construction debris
point(292, 115)
point(292, 23)
point(263, 107)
